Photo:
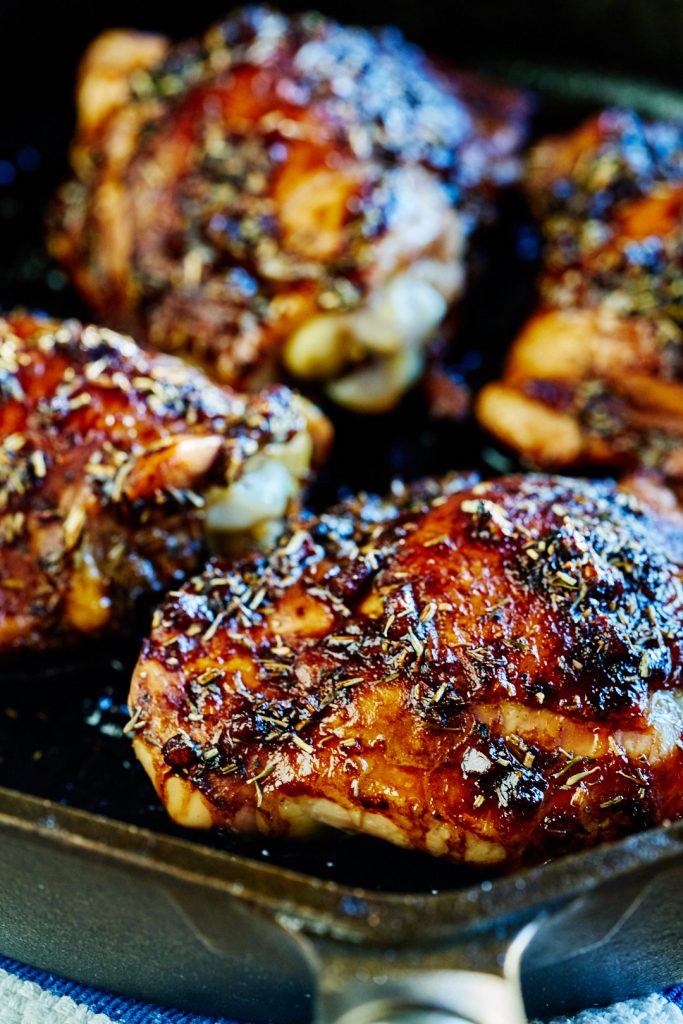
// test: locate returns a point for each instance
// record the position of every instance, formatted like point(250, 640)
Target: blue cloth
point(675, 996)
point(17, 1005)
point(117, 1009)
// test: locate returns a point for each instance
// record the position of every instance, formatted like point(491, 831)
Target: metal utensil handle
point(399, 1014)
point(475, 982)
point(417, 1015)
point(444, 997)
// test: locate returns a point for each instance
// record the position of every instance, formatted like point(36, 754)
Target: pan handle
point(474, 981)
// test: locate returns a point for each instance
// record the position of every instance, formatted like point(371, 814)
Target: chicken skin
point(115, 468)
point(596, 375)
point(489, 671)
point(284, 192)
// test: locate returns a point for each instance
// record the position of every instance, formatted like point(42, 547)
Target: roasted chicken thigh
point(115, 466)
point(596, 374)
point(284, 190)
point(489, 671)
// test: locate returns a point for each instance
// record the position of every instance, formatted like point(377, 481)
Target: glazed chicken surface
point(283, 192)
point(488, 671)
point(115, 469)
point(596, 374)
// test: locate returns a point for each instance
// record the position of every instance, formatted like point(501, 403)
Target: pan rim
point(322, 906)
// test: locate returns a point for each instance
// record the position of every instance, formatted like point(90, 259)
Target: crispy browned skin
point(596, 375)
point(112, 464)
point(281, 172)
point(486, 671)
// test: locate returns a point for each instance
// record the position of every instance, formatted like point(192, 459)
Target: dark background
point(41, 41)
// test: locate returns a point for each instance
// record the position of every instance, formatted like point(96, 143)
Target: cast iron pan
point(97, 884)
